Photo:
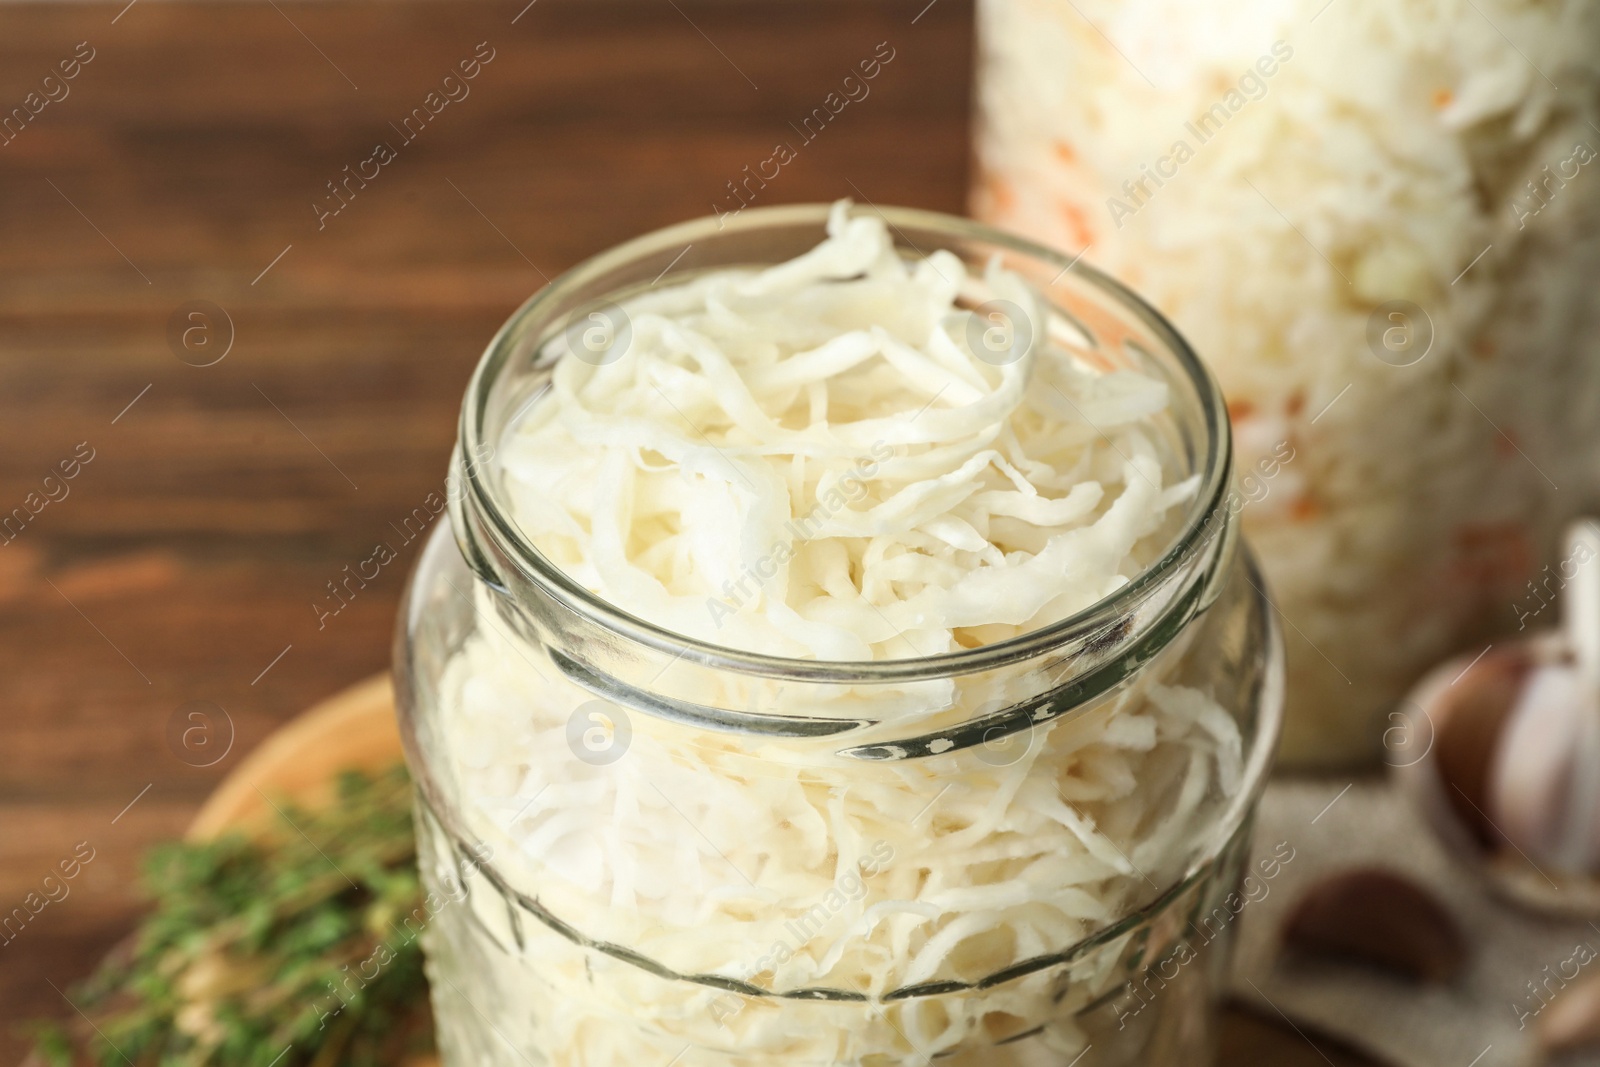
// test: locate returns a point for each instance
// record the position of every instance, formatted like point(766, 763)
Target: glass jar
point(641, 848)
point(1380, 221)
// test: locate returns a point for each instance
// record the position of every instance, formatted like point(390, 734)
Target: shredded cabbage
point(1436, 153)
point(811, 460)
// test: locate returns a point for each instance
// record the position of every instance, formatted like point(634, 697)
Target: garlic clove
point(1543, 777)
point(1381, 919)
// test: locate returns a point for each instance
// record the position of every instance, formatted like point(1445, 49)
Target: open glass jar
point(644, 848)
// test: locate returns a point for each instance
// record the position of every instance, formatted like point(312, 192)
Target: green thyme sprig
point(288, 951)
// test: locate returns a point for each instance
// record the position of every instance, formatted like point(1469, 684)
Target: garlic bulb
point(1509, 772)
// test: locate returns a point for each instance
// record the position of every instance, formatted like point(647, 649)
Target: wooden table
point(184, 170)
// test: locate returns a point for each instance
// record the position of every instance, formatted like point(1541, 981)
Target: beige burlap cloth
point(1479, 1021)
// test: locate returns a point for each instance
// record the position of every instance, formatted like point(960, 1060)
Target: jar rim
point(489, 504)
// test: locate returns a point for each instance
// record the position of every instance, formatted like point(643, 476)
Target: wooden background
point(184, 562)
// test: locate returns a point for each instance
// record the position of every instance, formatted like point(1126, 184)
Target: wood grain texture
point(187, 555)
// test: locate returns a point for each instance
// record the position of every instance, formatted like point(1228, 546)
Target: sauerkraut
point(810, 460)
point(827, 459)
point(1284, 177)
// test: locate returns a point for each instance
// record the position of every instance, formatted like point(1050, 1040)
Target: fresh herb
point(293, 950)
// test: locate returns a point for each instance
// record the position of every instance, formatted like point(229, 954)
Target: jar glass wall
point(643, 848)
